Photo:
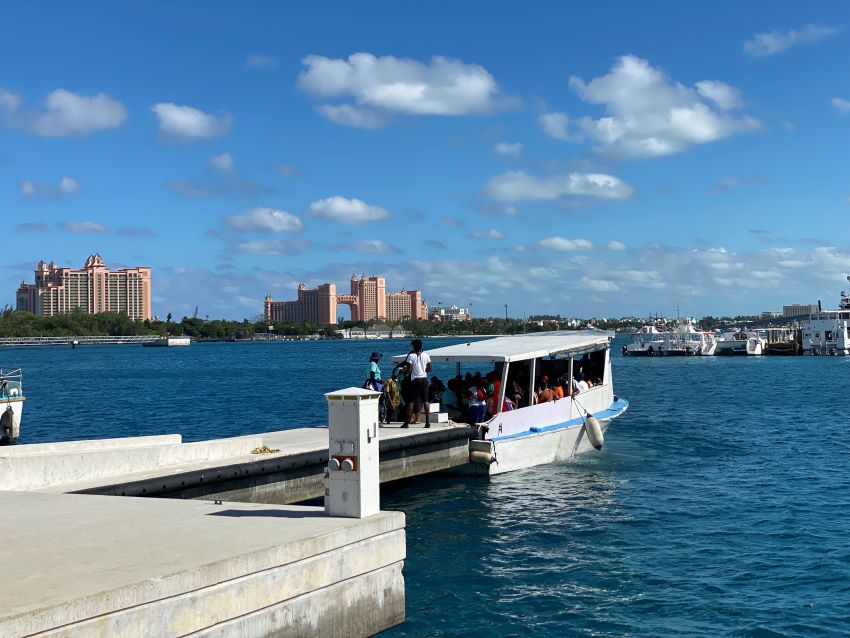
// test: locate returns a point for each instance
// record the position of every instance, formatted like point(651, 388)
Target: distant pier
point(78, 340)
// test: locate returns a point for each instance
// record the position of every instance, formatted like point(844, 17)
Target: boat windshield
point(11, 383)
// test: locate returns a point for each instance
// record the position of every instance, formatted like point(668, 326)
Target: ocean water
point(720, 505)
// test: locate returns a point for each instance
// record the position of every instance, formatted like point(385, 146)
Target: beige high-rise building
point(93, 289)
point(368, 300)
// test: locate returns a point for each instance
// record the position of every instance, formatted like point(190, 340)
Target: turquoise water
point(720, 505)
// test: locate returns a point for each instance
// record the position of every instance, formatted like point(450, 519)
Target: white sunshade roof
point(521, 347)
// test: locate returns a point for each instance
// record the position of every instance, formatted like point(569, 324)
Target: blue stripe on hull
point(612, 412)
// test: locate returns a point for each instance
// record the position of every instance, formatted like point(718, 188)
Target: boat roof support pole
point(457, 369)
point(532, 371)
point(503, 389)
point(571, 376)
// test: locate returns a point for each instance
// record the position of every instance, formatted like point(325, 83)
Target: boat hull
point(552, 444)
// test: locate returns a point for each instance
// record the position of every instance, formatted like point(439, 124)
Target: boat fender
point(7, 423)
point(481, 458)
point(594, 431)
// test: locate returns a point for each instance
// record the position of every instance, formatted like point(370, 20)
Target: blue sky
point(601, 160)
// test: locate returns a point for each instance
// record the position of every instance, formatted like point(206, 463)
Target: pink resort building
point(93, 288)
point(368, 300)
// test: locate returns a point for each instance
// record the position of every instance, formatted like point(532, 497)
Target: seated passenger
point(546, 394)
point(579, 384)
point(558, 390)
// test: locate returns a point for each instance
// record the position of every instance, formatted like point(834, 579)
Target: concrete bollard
point(352, 486)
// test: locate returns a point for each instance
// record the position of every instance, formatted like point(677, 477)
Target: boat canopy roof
point(562, 344)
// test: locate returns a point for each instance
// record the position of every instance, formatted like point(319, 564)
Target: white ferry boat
point(687, 340)
point(11, 405)
point(646, 342)
point(741, 342)
point(544, 432)
point(828, 331)
point(684, 340)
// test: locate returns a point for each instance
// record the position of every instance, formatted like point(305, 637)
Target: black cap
point(375, 356)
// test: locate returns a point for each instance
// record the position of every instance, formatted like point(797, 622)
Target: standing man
point(417, 365)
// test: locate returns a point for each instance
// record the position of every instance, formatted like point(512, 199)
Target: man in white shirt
point(417, 365)
point(579, 384)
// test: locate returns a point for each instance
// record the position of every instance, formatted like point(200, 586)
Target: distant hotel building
point(93, 288)
point(453, 313)
point(368, 300)
point(797, 310)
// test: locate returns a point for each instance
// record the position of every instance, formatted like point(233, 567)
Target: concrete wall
point(24, 470)
point(127, 567)
point(34, 449)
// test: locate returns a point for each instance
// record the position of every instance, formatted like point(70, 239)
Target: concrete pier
point(81, 565)
point(222, 468)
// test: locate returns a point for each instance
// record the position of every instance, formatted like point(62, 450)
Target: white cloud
point(9, 102)
point(72, 114)
point(355, 116)
point(598, 285)
point(487, 234)
point(518, 186)
point(260, 61)
point(223, 162)
point(556, 125)
point(724, 96)
point(66, 186)
point(764, 44)
point(563, 244)
point(648, 115)
point(641, 278)
point(616, 245)
point(383, 86)
point(539, 272)
point(84, 227)
point(274, 247)
point(189, 123)
point(347, 211)
point(265, 219)
point(369, 246)
point(841, 105)
point(506, 149)
point(69, 185)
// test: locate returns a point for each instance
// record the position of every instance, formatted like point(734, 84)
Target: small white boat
point(687, 340)
point(683, 341)
point(741, 342)
point(543, 432)
point(168, 342)
point(11, 405)
point(646, 342)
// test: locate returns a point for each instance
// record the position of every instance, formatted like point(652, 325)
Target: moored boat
point(11, 405)
point(828, 331)
point(687, 340)
point(741, 342)
point(535, 434)
point(646, 342)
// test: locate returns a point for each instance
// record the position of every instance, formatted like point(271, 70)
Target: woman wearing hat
point(374, 381)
